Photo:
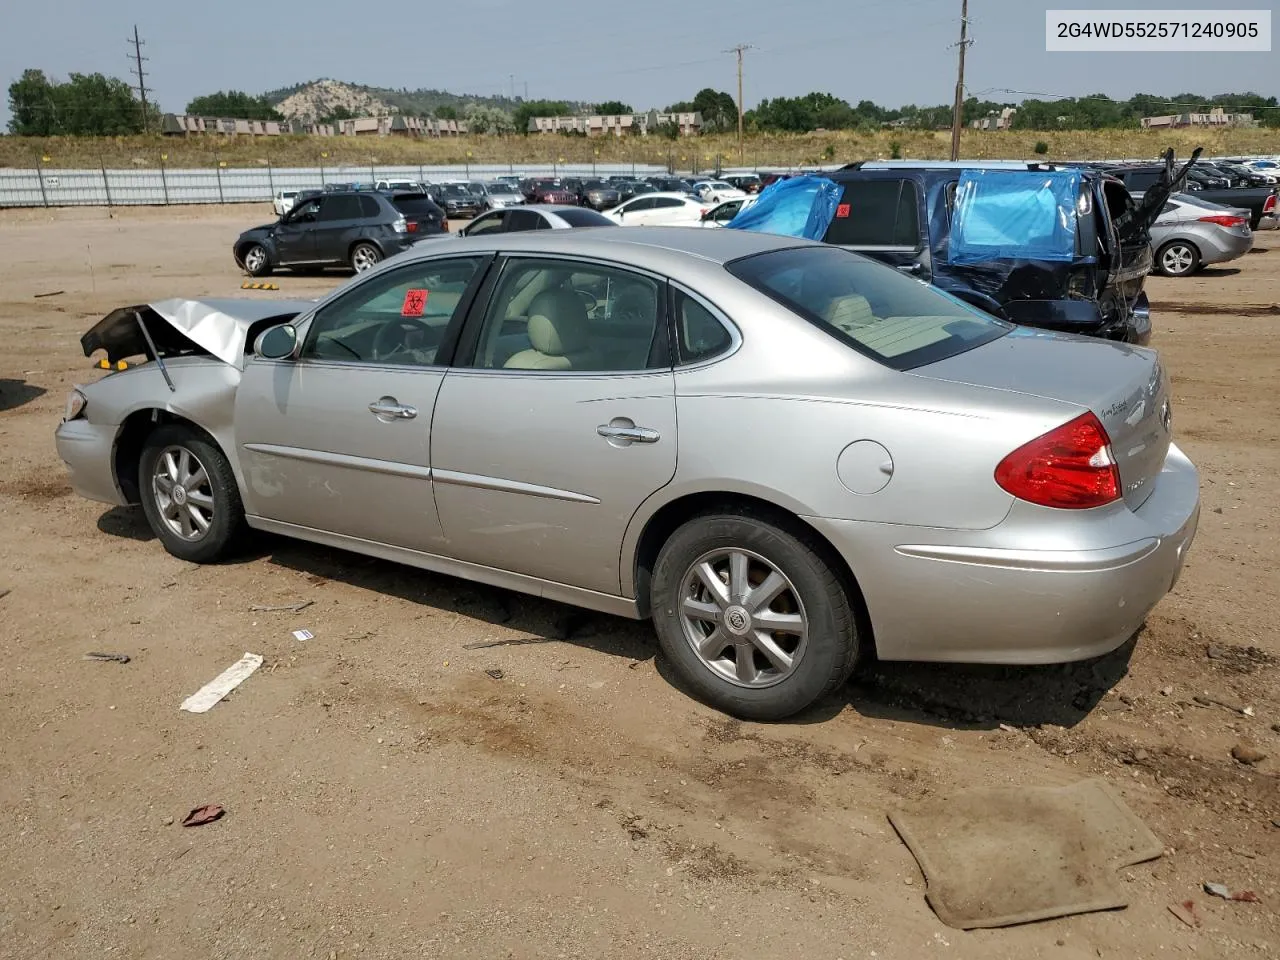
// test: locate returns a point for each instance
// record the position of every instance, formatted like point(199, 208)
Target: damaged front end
point(168, 329)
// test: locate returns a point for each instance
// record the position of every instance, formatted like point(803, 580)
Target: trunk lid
point(1126, 387)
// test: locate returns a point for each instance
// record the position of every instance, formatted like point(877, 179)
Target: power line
point(138, 72)
point(957, 115)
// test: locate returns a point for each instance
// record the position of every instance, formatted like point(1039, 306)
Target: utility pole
point(138, 72)
point(957, 115)
point(740, 49)
point(511, 77)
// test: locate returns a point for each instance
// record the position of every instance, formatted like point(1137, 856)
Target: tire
point(1178, 258)
point(203, 530)
point(364, 257)
point(256, 260)
point(749, 683)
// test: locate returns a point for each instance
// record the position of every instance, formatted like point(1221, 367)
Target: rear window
point(575, 217)
point(369, 208)
point(415, 205)
point(878, 213)
point(873, 308)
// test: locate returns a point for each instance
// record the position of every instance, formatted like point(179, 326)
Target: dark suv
point(1089, 283)
point(350, 229)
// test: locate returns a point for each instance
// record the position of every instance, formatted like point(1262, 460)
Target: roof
point(652, 244)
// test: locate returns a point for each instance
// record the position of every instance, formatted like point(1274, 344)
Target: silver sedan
point(1192, 233)
point(784, 454)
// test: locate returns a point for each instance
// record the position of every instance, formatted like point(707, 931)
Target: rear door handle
point(625, 433)
point(388, 408)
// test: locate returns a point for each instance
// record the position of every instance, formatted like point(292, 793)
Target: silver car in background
point(1191, 233)
point(783, 453)
point(497, 195)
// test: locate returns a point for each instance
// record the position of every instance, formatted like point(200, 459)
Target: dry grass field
point(761, 150)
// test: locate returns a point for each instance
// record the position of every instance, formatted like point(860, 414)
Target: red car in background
point(547, 190)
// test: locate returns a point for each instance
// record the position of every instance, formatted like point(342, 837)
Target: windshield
point(454, 190)
point(596, 185)
point(501, 188)
point(894, 319)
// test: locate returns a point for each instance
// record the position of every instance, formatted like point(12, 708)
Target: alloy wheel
point(183, 493)
point(255, 259)
point(1177, 259)
point(743, 618)
point(364, 258)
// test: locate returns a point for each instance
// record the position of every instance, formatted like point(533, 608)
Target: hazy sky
point(646, 53)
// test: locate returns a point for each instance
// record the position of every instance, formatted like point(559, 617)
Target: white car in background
point(714, 191)
point(722, 213)
point(665, 209)
point(283, 201)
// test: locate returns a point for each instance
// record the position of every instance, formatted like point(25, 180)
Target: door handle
point(627, 432)
point(388, 408)
point(910, 267)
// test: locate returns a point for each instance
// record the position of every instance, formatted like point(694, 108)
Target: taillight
point(1223, 220)
point(412, 226)
point(1270, 204)
point(1070, 467)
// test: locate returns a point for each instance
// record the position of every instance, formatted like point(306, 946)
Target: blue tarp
point(798, 207)
point(1015, 215)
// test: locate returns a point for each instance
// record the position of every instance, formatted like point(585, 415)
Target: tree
point(235, 104)
point(537, 108)
point(86, 105)
point(719, 110)
point(446, 113)
point(336, 114)
point(31, 103)
point(612, 108)
point(487, 120)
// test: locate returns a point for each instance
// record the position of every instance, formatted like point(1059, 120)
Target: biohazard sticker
point(842, 210)
point(415, 303)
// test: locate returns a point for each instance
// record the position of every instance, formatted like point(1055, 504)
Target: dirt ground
point(386, 797)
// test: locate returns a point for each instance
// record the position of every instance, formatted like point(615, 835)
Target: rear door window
point(878, 213)
point(524, 220)
point(340, 207)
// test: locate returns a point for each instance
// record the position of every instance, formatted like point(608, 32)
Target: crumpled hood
point(218, 326)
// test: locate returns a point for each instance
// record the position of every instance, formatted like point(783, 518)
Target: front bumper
point(88, 450)
point(463, 210)
point(1036, 588)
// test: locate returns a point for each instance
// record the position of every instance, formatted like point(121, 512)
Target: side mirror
point(621, 214)
point(277, 343)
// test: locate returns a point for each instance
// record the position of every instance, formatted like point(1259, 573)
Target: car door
point(668, 210)
point(634, 212)
point(338, 439)
point(295, 233)
point(340, 215)
point(881, 217)
point(557, 420)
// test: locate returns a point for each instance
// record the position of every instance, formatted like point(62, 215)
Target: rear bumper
point(1004, 595)
point(88, 450)
point(1269, 222)
point(1223, 246)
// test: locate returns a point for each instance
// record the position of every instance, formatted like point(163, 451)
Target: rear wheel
point(755, 620)
point(189, 495)
point(365, 256)
point(256, 261)
point(1178, 258)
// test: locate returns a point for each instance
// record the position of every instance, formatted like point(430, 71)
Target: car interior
point(550, 316)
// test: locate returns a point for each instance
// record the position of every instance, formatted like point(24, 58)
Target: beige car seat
point(849, 313)
point(559, 334)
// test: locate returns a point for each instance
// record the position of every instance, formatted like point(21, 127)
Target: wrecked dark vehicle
point(1061, 248)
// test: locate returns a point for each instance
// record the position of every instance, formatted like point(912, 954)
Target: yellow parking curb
point(247, 285)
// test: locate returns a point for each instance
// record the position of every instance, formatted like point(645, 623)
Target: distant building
point(996, 121)
point(1216, 117)
point(618, 125)
point(395, 125)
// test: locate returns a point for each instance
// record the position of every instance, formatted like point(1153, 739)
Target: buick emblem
point(737, 620)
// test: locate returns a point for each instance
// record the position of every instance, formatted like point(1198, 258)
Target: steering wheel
point(391, 336)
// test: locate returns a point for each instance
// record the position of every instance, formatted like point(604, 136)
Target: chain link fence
point(160, 186)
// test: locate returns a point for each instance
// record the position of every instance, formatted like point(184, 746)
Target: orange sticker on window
point(415, 303)
point(842, 210)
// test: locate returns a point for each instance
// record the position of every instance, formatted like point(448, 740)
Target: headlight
point(76, 403)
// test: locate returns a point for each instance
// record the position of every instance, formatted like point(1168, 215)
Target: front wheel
point(753, 618)
point(189, 495)
point(256, 261)
point(364, 257)
point(1178, 259)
